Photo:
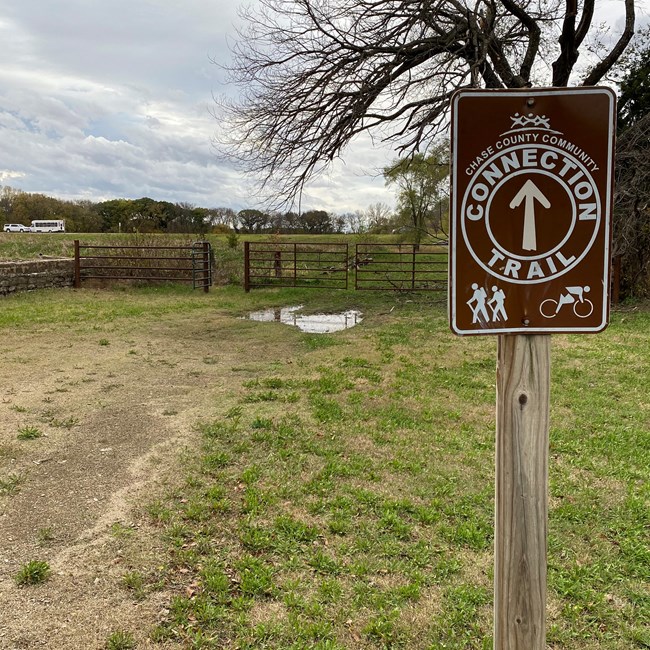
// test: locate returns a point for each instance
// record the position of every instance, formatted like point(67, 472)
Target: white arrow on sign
point(530, 192)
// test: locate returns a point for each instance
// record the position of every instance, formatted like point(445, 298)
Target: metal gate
point(295, 264)
point(400, 267)
point(145, 263)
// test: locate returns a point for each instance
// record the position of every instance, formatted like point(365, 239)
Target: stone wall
point(35, 274)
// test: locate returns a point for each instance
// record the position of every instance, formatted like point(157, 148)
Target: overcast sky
point(111, 99)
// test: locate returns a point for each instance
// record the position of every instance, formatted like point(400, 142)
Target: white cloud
point(113, 99)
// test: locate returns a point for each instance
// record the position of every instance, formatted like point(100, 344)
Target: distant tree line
point(117, 215)
point(151, 216)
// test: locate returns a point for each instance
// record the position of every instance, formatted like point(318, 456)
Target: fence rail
point(192, 263)
point(378, 267)
point(400, 267)
point(296, 264)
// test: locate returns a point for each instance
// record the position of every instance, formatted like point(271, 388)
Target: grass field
point(23, 246)
point(342, 491)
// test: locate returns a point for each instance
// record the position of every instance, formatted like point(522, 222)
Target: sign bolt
point(530, 101)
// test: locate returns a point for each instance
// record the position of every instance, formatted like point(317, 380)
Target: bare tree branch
point(314, 74)
point(632, 205)
point(599, 71)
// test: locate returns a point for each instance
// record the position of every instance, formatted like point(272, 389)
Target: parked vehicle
point(16, 227)
point(51, 225)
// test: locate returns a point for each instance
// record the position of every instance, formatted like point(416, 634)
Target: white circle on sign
point(478, 210)
point(545, 253)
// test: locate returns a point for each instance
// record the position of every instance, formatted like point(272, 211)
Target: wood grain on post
point(521, 503)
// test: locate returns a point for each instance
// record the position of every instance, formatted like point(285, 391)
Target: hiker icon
point(497, 304)
point(479, 303)
point(582, 307)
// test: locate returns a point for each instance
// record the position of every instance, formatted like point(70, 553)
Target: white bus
point(52, 225)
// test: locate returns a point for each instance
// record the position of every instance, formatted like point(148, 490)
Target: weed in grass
point(329, 590)
point(134, 582)
point(459, 624)
point(197, 509)
point(18, 409)
point(324, 563)
point(178, 534)
point(65, 423)
point(383, 629)
point(262, 423)
point(45, 536)
point(32, 573)
point(215, 461)
point(325, 410)
point(29, 433)
point(120, 640)
point(255, 577)
point(104, 342)
point(216, 582)
point(256, 501)
point(159, 512)
point(170, 412)
point(251, 475)
point(120, 531)
point(391, 522)
point(263, 396)
point(319, 341)
point(11, 484)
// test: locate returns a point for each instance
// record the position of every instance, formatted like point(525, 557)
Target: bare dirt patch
point(115, 406)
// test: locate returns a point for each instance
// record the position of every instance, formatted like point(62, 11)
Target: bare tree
point(221, 216)
point(316, 73)
point(380, 217)
point(632, 207)
point(355, 222)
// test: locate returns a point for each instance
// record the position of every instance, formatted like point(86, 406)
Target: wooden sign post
point(521, 502)
point(530, 254)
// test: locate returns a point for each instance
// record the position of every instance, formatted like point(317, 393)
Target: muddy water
point(310, 323)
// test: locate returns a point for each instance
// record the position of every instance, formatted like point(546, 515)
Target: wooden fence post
point(207, 274)
point(277, 263)
point(521, 492)
point(77, 265)
point(247, 266)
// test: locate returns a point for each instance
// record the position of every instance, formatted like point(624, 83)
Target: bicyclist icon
point(582, 307)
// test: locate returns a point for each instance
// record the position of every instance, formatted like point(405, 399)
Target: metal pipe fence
point(146, 263)
point(378, 267)
point(400, 267)
point(295, 264)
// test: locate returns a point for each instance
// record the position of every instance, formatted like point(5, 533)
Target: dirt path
point(115, 406)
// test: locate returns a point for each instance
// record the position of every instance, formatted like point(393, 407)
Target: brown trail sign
point(531, 203)
point(530, 255)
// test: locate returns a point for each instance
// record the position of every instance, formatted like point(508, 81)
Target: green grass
point(120, 640)
point(10, 484)
point(32, 573)
point(29, 433)
point(342, 491)
point(354, 495)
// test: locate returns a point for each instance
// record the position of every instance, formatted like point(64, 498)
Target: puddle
point(312, 323)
